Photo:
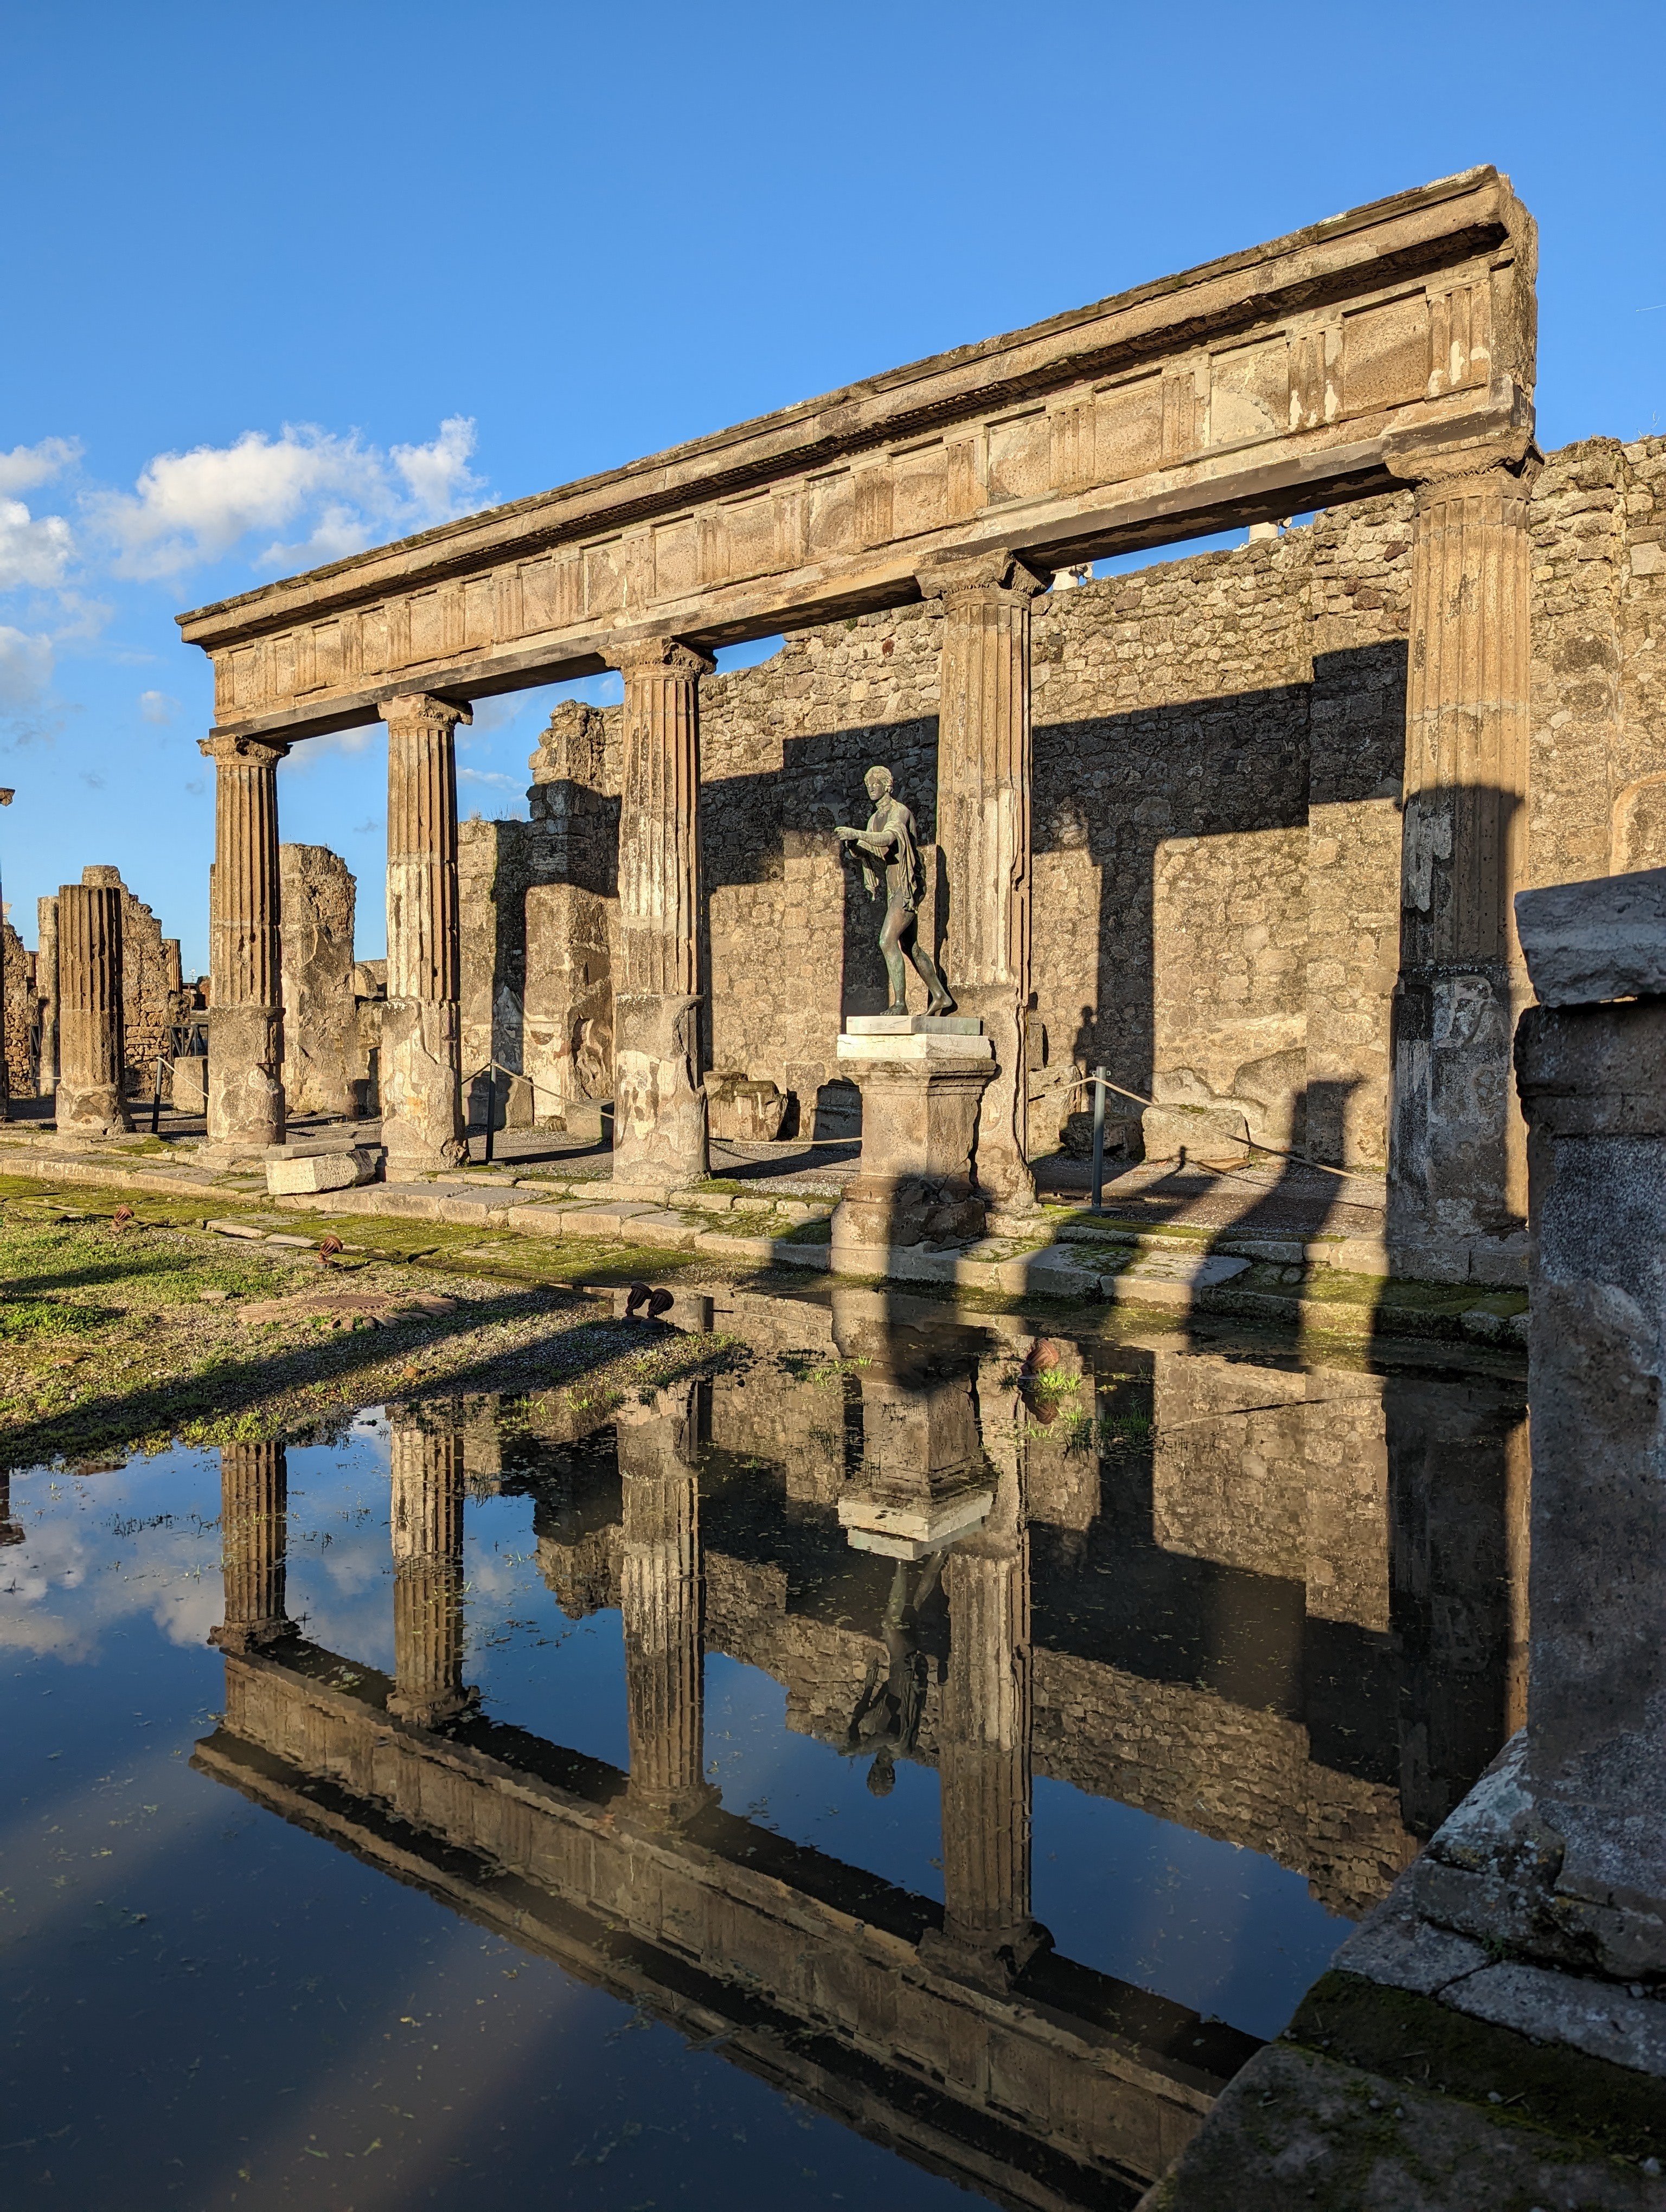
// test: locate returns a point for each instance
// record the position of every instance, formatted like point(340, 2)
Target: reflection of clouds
point(84, 1566)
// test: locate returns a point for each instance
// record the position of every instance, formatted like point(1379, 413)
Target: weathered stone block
point(190, 1083)
point(749, 1109)
point(1219, 1134)
point(322, 1171)
point(1585, 943)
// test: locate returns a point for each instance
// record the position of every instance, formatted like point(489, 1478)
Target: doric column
point(422, 1029)
point(245, 1010)
point(425, 1522)
point(90, 1099)
point(660, 1597)
point(983, 754)
point(1457, 1147)
point(254, 1503)
point(659, 1107)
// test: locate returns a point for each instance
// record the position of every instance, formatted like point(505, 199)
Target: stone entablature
point(1320, 366)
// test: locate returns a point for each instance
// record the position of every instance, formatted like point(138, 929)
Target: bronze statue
point(891, 839)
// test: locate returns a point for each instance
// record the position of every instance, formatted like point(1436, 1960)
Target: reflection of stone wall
point(1277, 1474)
point(1247, 1777)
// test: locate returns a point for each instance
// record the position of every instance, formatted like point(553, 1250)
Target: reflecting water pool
point(910, 1754)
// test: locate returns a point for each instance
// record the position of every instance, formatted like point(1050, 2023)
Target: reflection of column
point(11, 1532)
point(984, 1733)
point(1457, 1146)
point(659, 1596)
point(254, 1502)
point(90, 1093)
point(245, 1013)
point(659, 1109)
point(426, 1524)
point(422, 1025)
point(983, 755)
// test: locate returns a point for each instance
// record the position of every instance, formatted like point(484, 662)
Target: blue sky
point(283, 281)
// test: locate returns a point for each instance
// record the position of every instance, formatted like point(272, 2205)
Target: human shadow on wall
point(1295, 1207)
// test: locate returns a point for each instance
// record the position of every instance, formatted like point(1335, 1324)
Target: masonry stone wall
point(22, 1014)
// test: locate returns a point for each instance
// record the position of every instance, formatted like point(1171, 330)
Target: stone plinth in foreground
point(922, 1080)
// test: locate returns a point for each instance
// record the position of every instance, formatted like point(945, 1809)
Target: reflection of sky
point(1227, 1931)
point(123, 1563)
point(208, 2005)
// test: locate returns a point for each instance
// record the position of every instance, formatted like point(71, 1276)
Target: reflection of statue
point(886, 1721)
point(891, 839)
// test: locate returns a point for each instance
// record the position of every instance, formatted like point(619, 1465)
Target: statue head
point(882, 1775)
point(877, 783)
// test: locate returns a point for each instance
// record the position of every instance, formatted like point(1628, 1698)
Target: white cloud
point(489, 775)
point(26, 465)
point(33, 550)
point(26, 670)
point(158, 706)
point(188, 508)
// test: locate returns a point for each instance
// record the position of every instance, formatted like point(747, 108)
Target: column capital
point(1508, 463)
point(1005, 575)
point(252, 752)
point(422, 710)
point(656, 656)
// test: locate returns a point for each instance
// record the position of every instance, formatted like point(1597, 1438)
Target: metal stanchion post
point(1097, 1079)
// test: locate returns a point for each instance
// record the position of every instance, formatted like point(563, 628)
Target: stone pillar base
point(245, 1096)
point(659, 1106)
point(422, 1108)
point(988, 1962)
point(432, 1712)
point(95, 1110)
point(243, 1637)
point(1004, 1174)
point(920, 1096)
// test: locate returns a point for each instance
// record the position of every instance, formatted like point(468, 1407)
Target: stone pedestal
point(660, 1598)
point(1561, 1851)
point(90, 1101)
point(245, 1013)
point(925, 1482)
point(1458, 1194)
point(923, 1079)
point(421, 1067)
point(426, 1526)
point(983, 769)
point(254, 1503)
point(659, 1106)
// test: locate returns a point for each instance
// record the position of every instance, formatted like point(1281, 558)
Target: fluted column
point(90, 1100)
point(254, 1504)
point(11, 1532)
point(245, 1010)
point(659, 1106)
point(1457, 1157)
point(660, 1597)
point(425, 1522)
point(421, 1028)
point(983, 765)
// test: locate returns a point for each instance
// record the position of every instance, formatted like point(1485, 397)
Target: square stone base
point(921, 1090)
